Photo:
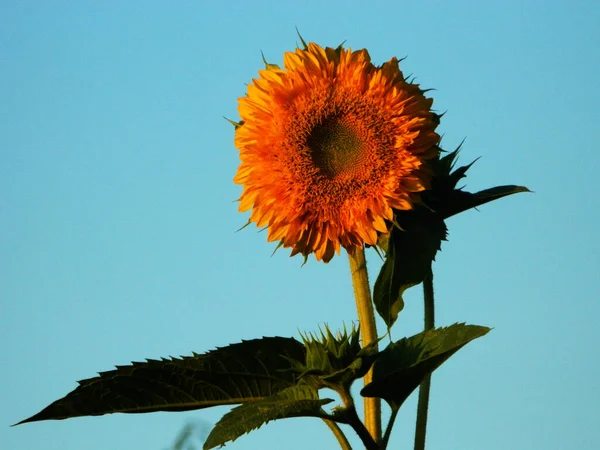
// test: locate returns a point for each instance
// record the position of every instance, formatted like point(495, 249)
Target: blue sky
point(117, 213)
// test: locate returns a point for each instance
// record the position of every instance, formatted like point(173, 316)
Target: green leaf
point(297, 401)
point(403, 365)
point(460, 200)
point(446, 200)
point(248, 371)
point(411, 248)
point(417, 234)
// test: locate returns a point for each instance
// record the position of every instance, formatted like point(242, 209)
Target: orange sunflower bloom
point(329, 147)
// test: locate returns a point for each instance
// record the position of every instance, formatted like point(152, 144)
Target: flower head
point(330, 145)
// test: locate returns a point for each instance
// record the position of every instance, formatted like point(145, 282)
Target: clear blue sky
point(117, 213)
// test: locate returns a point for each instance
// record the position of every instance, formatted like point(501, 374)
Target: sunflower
point(330, 145)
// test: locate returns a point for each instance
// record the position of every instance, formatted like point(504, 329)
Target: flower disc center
point(337, 148)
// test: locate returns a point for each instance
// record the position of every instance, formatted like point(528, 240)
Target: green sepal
point(403, 365)
point(296, 401)
point(304, 45)
point(234, 123)
point(248, 371)
point(334, 360)
point(244, 226)
point(279, 245)
point(356, 369)
point(327, 353)
point(269, 66)
point(340, 48)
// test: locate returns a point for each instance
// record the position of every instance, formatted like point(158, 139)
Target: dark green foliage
point(334, 361)
point(417, 234)
point(272, 378)
point(411, 247)
point(248, 371)
point(446, 200)
point(403, 365)
point(461, 201)
point(297, 401)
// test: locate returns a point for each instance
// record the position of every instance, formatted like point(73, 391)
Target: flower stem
point(349, 416)
point(388, 428)
point(360, 429)
point(368, 330)
point(423, 405)
point(339, 434)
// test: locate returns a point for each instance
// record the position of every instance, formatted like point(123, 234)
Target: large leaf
point(460, 200)
point(411, 248)
point(417, 234)
point(248, 371)
point(297, 401)
point(403, 365)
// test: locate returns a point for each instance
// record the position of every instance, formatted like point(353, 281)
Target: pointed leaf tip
point(462, 201)
point(237, 373)
point(235, 124)
point(403, 365)
point(268, 65)
point(304, 46)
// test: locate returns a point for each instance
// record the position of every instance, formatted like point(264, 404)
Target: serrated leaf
point(411, 248)
point(297, 401)
point(403, 365)
point(248, 371)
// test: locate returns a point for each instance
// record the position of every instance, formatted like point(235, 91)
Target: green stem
point(368, 330)
point(339, 434)
point(350, 417)
point(361, 430)
point(388, 428)
point(423, 405)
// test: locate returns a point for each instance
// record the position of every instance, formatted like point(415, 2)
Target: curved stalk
point(388, 428)
point(360, 429)
point(368, 330)
point(424, 389)
point(349, 416)
point(339, 434)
